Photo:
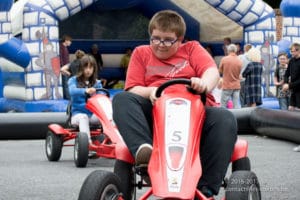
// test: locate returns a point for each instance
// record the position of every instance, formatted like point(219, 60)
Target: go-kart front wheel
point(81, 149)
point(241, 164)
point(243, 185)
point(53, 146)
point(100, 185)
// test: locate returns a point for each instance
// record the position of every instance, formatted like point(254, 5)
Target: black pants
point(295, 99)
point(133, 116)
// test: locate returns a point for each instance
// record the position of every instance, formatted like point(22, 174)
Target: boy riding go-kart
point(163, 134)
point(174, 168)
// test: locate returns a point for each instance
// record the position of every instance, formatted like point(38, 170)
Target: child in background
point(283, 96)
point(71, 69)
point(81, 85)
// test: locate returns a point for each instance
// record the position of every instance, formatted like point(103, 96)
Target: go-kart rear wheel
point(100, 185)
point(53, 146)
point(243, 185)
point(241, 164)
point(125, 172)
point(81, 149)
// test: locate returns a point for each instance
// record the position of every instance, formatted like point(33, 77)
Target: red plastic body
point(174, 167)
point(113, 146)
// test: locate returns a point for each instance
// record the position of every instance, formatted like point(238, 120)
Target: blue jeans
point(230, 94)
point(284, 103)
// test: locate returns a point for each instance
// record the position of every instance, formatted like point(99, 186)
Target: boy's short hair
point(282, 54)
point(168, 20)
point(66, 37)
point(296, 46)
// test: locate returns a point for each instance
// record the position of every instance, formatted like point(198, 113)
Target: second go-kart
point(174, 168)
point(104, 137)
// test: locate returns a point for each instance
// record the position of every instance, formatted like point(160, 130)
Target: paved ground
point(26, 174)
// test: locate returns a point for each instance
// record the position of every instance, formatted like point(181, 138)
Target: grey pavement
point(26, 174)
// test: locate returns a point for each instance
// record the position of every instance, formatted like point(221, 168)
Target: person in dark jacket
point(292, 78)
point(252, 74)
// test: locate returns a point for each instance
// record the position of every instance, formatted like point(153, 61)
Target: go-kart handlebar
point(105, 91)
point(182, 81)
point(166, 84)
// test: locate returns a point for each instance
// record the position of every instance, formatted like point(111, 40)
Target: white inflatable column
point(5, 26)
point(291, 20)
point(258, 20)
point(14, 55)
point(41, 34)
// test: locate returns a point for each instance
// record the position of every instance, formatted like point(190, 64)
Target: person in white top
point(245, 60)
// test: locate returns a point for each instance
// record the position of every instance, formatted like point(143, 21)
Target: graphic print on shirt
point(168, 71)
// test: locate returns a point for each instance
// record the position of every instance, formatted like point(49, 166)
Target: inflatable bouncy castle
point(30, 79)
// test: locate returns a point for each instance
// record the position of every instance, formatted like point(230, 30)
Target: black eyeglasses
point(167, 43)
point(293, 51)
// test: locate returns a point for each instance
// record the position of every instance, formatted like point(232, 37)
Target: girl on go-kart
point(80, 86)
point(167, 57)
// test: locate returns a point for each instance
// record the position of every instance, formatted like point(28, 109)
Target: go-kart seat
point(69, 115)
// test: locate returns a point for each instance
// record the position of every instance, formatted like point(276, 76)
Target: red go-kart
point(103, 144)
point(174, 168)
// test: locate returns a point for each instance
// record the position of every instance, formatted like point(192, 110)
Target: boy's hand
point(152, 96)
point(198, 84)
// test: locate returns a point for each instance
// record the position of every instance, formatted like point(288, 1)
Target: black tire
point(125, 172)
point(53, 146)
point(243, 185)
point(241, 164)
point(81, 149)
point(100, 185)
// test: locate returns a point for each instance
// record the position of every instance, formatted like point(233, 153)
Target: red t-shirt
point(145, 69)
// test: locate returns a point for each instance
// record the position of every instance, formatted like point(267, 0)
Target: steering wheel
point(182, 81)
point(105, 91)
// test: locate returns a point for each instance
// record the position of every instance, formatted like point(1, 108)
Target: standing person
point(97, 56)
point(293, 74)
point(245, 60)
point(252, 74)
point(125, 59)
point(164, 59)
point(230, 68)
point(226, 42)
point(65, 59)
point(239, 50)
point(81, 85)
point(283, 96)
point(72, 68)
